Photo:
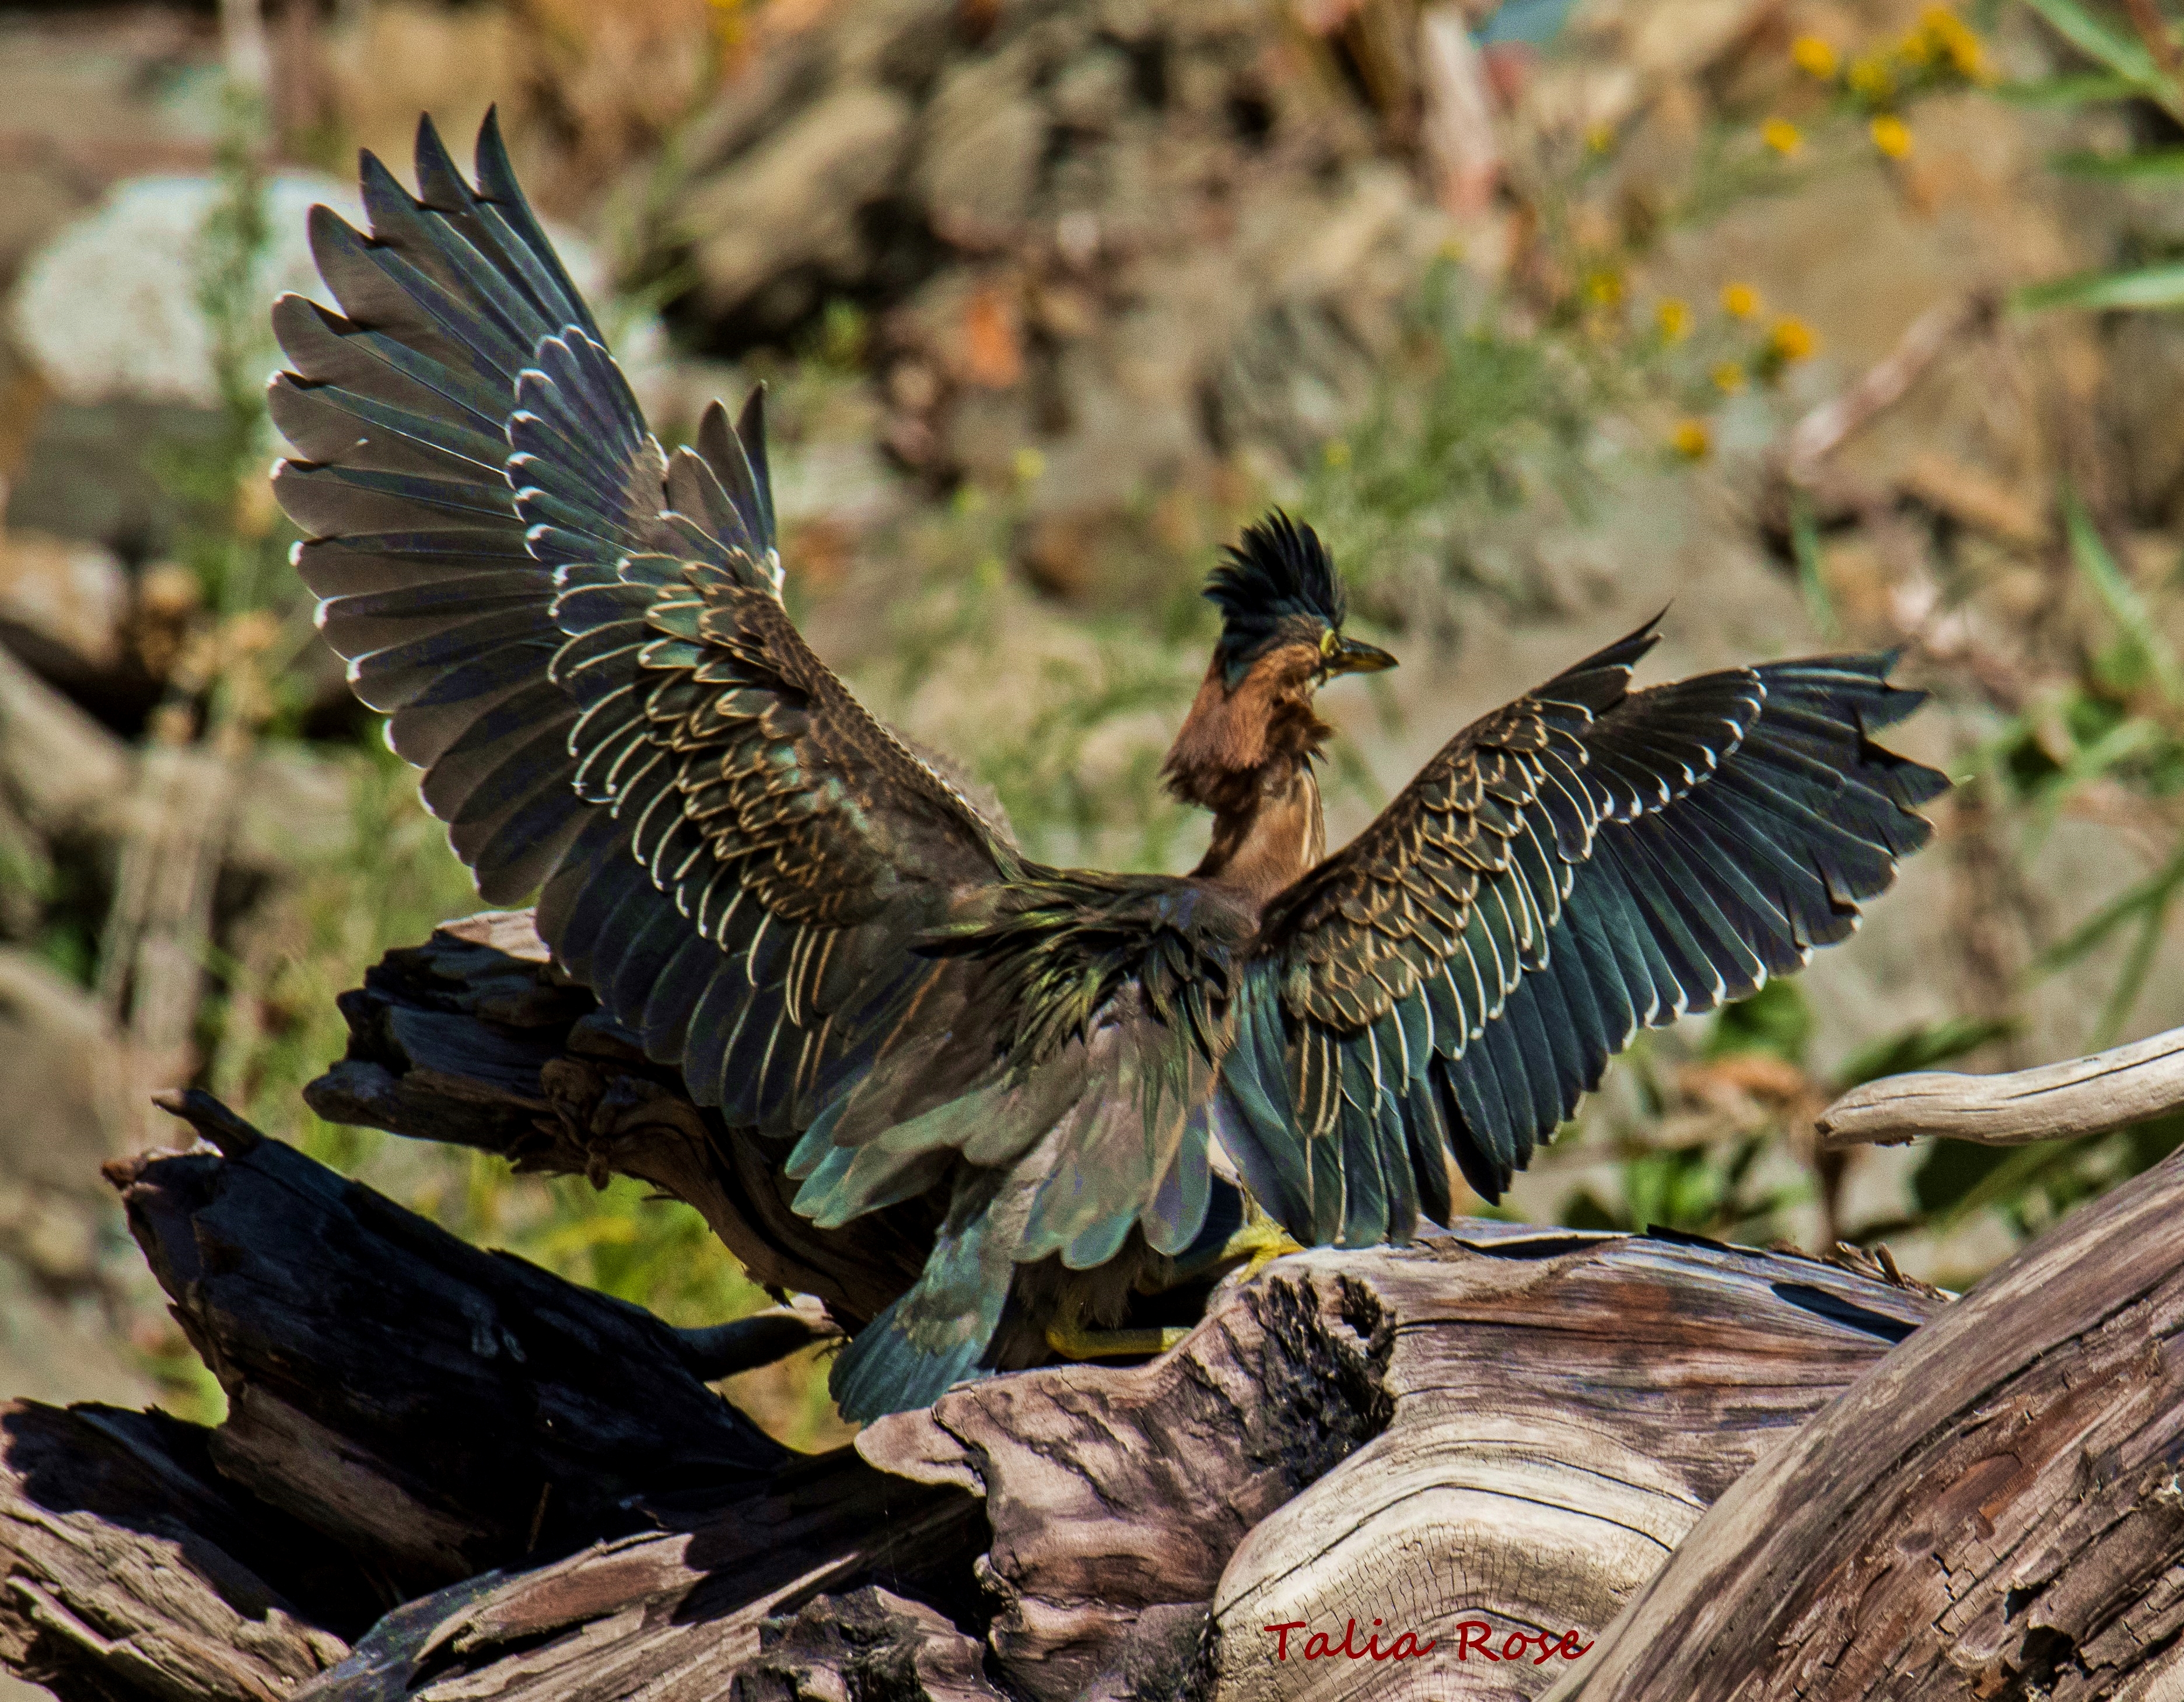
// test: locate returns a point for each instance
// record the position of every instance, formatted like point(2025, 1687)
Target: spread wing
point(580, 640)
point(1584, 862)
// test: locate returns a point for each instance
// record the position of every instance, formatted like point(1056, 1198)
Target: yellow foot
point(1258, 1243)
point(1110, 1344)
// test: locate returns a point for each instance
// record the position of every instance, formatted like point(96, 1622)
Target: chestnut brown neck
point(1246, 752)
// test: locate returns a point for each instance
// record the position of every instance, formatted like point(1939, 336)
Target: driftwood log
point(1503, 1460)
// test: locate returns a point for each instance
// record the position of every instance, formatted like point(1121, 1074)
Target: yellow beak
point(1353, 656)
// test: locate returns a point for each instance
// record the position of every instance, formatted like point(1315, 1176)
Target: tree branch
point(2081, 1095)
point(134, 1571)
point(473, 1039)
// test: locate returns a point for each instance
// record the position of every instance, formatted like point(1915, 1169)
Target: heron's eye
point(1328, 641)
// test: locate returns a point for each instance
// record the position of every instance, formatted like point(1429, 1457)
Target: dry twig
point(2081, 1095)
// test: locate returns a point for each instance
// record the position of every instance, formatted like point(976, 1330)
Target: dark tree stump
point(474, 1039)
point(447, 1472)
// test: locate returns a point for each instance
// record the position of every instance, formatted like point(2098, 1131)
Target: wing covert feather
point(1585, 862)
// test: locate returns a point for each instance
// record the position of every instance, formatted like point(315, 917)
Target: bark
point(134, 1571)
point(447, 1472)
point(1504, 1425)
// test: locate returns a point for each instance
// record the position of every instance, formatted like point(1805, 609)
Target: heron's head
point(1282, 609)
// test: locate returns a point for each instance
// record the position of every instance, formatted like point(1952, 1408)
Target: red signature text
point(1318, 1646)
point(1472, 1637)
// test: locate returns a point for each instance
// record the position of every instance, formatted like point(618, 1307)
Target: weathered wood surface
point(2081, 1095)
point(1501, 1433)
point(435, 1409)
point(472, 1038)
point(684, 1612)
point(420, 1388)
point(408, 1411)
point(1994, 1509)
point(133, 1570)
point(1506, 1425)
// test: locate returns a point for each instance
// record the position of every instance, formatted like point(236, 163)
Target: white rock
point(109, 307)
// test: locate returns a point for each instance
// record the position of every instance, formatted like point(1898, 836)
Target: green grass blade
point(2155, 163)
point(1805, 547)
point(1921, 1048)
point(2148, 896)
point(2148, 286)
point(2086, 89)
point(2124, 54)
point(2122, 599)
point(2137, 963)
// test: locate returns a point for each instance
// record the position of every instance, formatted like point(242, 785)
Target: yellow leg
point(1255, 1244)
point(1073, 1343)
point(1260, 1241)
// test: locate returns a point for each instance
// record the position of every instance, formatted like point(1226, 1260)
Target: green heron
point(1100, 1083)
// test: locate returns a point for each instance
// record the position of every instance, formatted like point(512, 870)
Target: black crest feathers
point(1281, 571)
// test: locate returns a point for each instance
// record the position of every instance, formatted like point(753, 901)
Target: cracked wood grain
point(1564, 1409)
point(1992, 1510)
point(132, 1570)
point(1507, 1422)
point(434, 1408)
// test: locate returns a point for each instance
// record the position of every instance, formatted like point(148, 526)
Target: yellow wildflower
point(1673, 316)
point(1890, 135)
point(1792, 340)
point(1600, 138)
point(1739, 301)
point(1336, 453)
point(1603, 286)
point(1781, 135)
point(1692, 439)
point(1728, 378)
point(1030, 465)
point(1813, 56)
point(1945, 36)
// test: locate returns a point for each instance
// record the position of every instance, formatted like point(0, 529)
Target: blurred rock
point(791, 206)
point(87, 98)
point(63, 771)
point(63, 592)
point(56, 1064)
point(111, 306)
point(1662, 38)
point(1127, 239)
point(292, 808)
point(391, 59)
point(109, 311)
point(982, 152)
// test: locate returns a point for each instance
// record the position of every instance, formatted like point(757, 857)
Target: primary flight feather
point(579, 637)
